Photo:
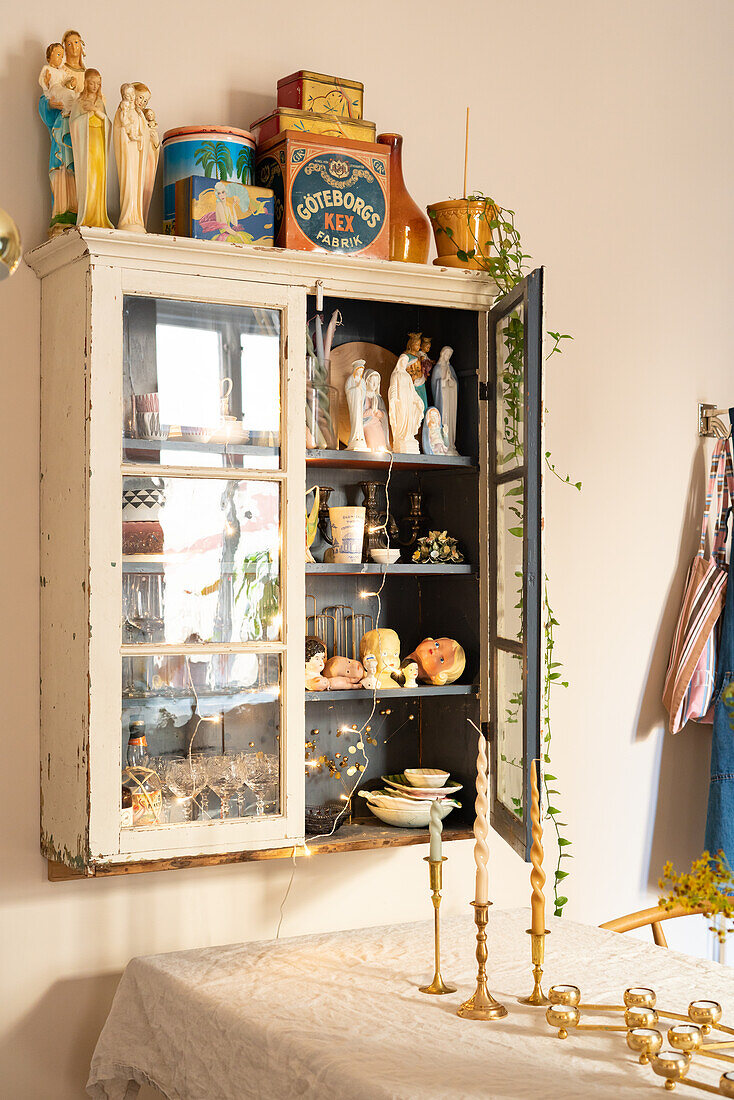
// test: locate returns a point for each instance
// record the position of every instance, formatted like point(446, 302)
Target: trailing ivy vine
point(504, 260)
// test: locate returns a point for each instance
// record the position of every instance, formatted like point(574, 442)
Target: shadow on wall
point(678, 806)
point(65, 1017)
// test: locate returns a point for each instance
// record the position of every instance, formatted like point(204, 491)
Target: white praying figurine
point(355, 390)
point(374, 415)
point(445, 396)
point(406, 409)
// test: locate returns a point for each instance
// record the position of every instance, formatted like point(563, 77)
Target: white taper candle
point(435, 826)
point(481, 825)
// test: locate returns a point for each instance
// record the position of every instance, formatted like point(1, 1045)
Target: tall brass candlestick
point(438, 985)
point(481, 1005)
point(537, 930)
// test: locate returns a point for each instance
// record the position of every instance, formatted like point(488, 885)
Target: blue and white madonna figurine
point(375, 422)
point(62, 81)
point(432, 436)
point(445, 396)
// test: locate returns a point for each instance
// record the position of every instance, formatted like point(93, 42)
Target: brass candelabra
point(537, 946)
point(438, 985)
point(481, 1005)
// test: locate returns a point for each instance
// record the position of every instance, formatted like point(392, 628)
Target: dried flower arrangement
point(437, 548)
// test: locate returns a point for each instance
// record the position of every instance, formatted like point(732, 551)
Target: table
point(339, 1017)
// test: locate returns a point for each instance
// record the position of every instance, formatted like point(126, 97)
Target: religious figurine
point(407, 676)
point(384, 646)
point(152, 144)
point(343, 673)
point(130, 141)
point(440, 660)
point(445, 394)
point(406, 409)
point(426, 362)
point(355, 391)
point(374, 415)
point(432, 437)
point(415, 365)
point(90, 133)
point(370, 682)
point(61, 84)
point(315, 661)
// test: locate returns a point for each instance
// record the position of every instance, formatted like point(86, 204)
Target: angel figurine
point(90, 135)
point(406, 409)
point(355, 390)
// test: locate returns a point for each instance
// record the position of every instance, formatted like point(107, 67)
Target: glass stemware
point(185, 777)
point(259, 771)
point(224, 778)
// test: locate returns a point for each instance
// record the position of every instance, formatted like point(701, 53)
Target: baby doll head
point(440, 660)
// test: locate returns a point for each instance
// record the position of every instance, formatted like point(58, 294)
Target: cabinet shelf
point(369, 460)
point(329, 569)
point(197, 446)
point(391, 693)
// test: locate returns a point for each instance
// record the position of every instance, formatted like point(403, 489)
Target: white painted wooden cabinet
point(173, 457)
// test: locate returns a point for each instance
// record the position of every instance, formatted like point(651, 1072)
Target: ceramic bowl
point(385, 557)
point(426, 777)
point(409, 818)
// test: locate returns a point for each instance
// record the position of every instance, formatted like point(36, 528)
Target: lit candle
point(537, 875)
point(481, 826)
point(435, 826)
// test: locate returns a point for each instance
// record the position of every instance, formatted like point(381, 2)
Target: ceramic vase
point(410, 234)
point(469, 222)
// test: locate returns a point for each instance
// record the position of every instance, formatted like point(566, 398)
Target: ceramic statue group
point(437, 661)
point(409, 410)
point(74, 111)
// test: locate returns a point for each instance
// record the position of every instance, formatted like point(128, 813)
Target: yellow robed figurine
point(90, 136)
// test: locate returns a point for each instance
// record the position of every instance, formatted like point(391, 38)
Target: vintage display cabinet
point(174, 594)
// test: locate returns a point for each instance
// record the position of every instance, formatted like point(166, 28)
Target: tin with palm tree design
point(216, 152)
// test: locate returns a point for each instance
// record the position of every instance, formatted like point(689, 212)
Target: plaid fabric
point(689, 683)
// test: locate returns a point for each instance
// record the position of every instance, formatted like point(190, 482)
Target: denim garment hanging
point(720, 817)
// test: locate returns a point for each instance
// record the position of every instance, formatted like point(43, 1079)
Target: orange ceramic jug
point(410, 230)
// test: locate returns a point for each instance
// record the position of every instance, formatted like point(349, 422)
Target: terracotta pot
point(410, 235)
point(469, 222)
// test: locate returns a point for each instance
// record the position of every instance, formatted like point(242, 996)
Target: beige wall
point(607, 128)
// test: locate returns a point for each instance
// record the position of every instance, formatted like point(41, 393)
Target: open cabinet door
point(513, 669)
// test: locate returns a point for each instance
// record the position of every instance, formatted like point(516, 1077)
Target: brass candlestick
point(537, 941)
point(438, 985)
point(481, 1005)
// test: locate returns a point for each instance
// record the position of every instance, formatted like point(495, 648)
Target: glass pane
point(510, 367)
point(201, 384)
point(510, 712)
point(201, 560)
point(510, 519)
point(200, 738)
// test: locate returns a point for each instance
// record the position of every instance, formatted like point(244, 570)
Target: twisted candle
point(436, 828)
point(537, 875)
point(481, 826)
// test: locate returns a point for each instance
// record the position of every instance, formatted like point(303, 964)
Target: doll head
point(440, 660)
point(55, 55)
point(384, 646)
point(315, 653)
point(344, 666)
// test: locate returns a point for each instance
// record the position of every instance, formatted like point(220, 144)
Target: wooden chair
point(653, 917)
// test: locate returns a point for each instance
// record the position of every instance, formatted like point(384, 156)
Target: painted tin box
point(217, 152)
point(308, 122)
point(305, 91)
point(221, 210)
point(330, 196)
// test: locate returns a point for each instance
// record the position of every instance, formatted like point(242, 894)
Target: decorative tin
point(215, 210)
point(308, 122)
point(330, 196)
point(217, 152)
point(307, 91)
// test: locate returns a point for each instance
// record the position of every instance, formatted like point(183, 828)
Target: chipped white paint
point(85, 274)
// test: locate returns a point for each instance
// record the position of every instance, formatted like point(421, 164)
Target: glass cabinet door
point(203, 579)
point(515, 450)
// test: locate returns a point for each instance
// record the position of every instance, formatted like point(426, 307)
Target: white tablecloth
point(339, 1017)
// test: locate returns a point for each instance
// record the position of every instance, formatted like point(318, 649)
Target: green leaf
point(461, 255)
point(553, 810)
point(563, 843)
point(560, 902)
point(550, 778)
point(516, 531)
point(561, 875)
point(449, 231)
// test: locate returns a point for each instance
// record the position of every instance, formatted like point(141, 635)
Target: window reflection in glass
point(510, 712)
point(201, 561)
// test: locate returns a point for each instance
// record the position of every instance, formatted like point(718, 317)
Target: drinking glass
point(259, 771)
point(224, 778)
point(185, 777)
